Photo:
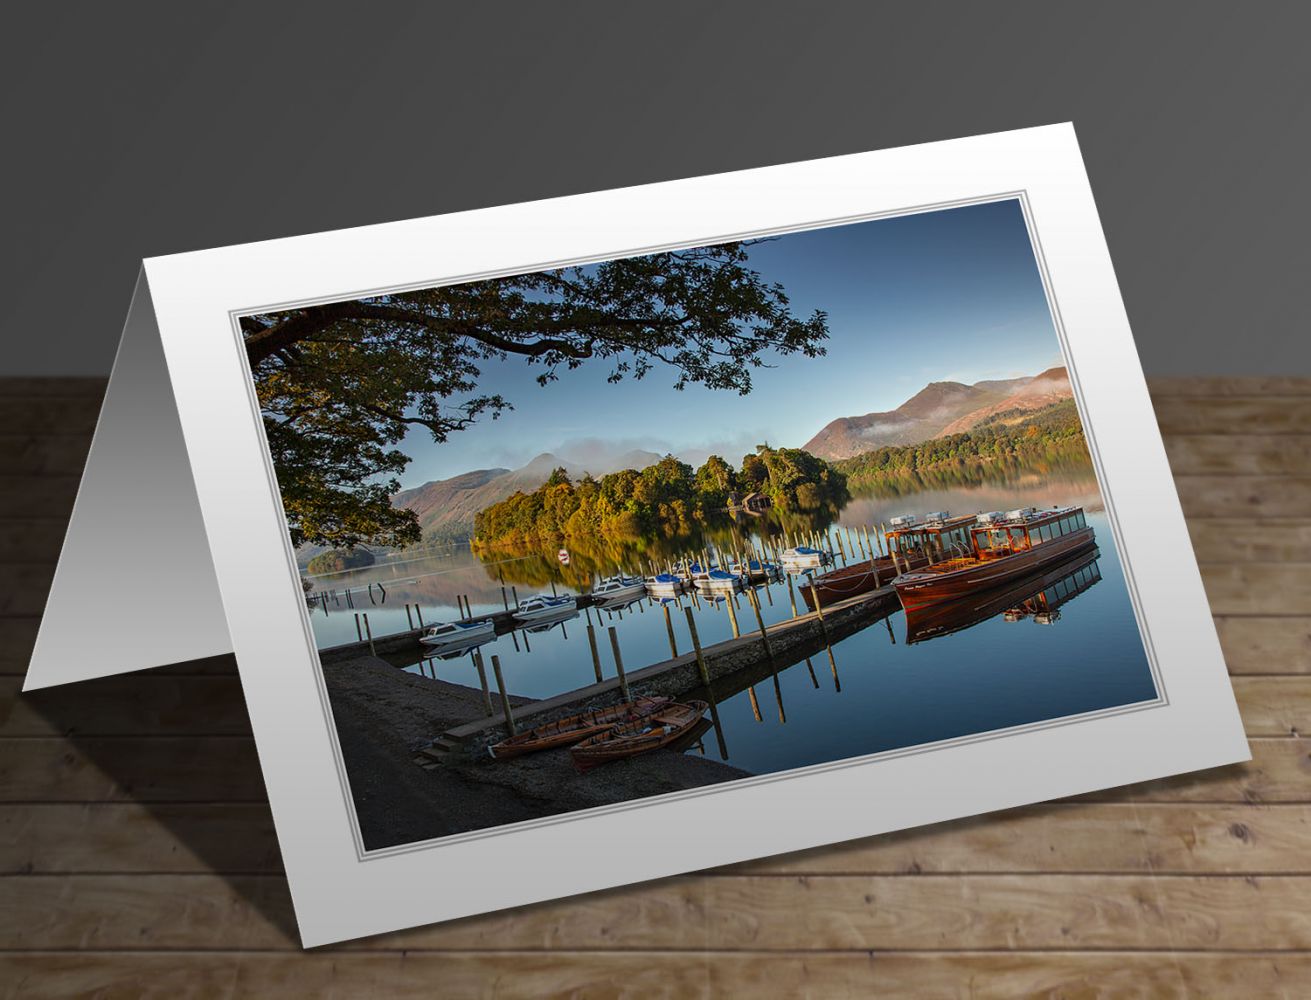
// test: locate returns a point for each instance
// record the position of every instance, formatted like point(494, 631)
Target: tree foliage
point(667, 497)
point(341, 384)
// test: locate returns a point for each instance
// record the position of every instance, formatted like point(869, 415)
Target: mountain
point(921, 417)
point(1052, 386)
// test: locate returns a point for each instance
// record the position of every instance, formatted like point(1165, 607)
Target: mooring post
point(778, 697)
point(505, 698)
point(359, 634)
point(408, 618)
point(755, 705)
point(833, 666)
point(514, 594)
point(819, 608)
point(553, 593)
point(792, 595)
point(350, 601)
point(811, 667)
point(482, 680)
point(418, 611)
point(382, 590)
point(760, 621)
point(732, 616)
point(596, 657)
point(669, 627)
point(369, 632)
point(619, 663)
point(696, 645)
point(841, 548)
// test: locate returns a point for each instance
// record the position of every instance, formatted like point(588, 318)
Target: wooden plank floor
point(137, 856)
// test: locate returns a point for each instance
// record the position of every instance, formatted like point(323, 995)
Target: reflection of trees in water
point(1006, 472)
point(538, 564)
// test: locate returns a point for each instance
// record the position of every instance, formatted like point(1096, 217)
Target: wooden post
point(732, 616)
point(841, 549)
point(418, 611)
point(505, 698)
point(819, 607)
point(760, 622)
point(482, 680)
point(811, 667)
point(696, 645)
point(350, 601)
point(359, 634)
point(408, 618)
point(755, 705)
point(514, 594)
point(669, 627)
point(778, 697)
point(369, 632)
point(792, 595)
point(505, 598)
point(833, 666)
point(553, 593)
point(596, 657)
point(619, 663)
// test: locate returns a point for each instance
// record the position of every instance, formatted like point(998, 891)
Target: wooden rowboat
point(639, 736)
point(563, 732)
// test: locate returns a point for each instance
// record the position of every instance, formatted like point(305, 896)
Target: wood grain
point(138, 858)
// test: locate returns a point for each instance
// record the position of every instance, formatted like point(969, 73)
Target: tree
point(340, 384)
point(715, 478)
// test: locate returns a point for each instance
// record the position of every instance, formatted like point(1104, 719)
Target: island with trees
point(667, 498)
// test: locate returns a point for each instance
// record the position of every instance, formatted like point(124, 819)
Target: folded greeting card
point(580, 542)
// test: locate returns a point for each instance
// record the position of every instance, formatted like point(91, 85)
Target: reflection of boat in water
point(575, 728)
point(545, 624)
point(451, 634)
point(666, 584)
point(1003, 547)
point(545, 606)
point(910, 544)
point(619, 590)
point(803, 558)
point(639, 736)
point(457, 650)
point(1037, 595)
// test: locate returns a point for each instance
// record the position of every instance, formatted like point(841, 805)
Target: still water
point(1069, 644)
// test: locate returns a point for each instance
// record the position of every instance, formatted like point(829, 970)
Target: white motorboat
point(545, 606)
point(803, 557)
point(665, 585)
point(458, 633)
point(719, 579)
point(619, 590)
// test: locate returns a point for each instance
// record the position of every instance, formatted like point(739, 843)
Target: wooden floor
point(139, 859)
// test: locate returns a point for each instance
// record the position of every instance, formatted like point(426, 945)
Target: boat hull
point(854, 580)
point(576, 728)
point(660, 729)
point(918, 589)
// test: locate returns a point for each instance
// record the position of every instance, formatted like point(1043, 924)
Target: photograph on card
point(608, 531)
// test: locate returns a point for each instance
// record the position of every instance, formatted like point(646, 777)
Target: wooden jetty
point(787, 642)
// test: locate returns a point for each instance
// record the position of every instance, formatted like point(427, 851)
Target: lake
point(1069, 647)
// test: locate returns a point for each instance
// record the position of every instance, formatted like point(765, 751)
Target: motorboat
point(545, 606)
point(1002, 547)
point(718, 579)
point(803, 558)
point(619, 590)
point(665, 585)
point(460, 633)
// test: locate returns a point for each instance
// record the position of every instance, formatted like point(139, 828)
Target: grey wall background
point(136, 130)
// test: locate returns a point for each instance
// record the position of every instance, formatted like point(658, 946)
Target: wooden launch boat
point(572, 729)
point(629, 739)
point(1003, 547)
point(1037, 595)
point(911, 544)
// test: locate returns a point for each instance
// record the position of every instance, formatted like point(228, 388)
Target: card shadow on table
point(211, 798)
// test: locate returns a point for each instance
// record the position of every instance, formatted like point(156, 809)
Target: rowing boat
point(573, 728)
point(638, 736)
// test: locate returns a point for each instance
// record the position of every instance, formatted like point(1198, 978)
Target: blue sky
point(952, 295)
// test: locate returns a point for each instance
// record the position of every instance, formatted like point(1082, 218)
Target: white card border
point(337, 895)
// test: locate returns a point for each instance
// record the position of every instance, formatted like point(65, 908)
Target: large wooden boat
point(629, 739)
point(1037, 596)
point(1003, 547)
point(563, 732)
point(910, 544)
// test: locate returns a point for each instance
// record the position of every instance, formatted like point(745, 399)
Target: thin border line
point(1021, 196)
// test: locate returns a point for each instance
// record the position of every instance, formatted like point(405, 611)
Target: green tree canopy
point(340, 384)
